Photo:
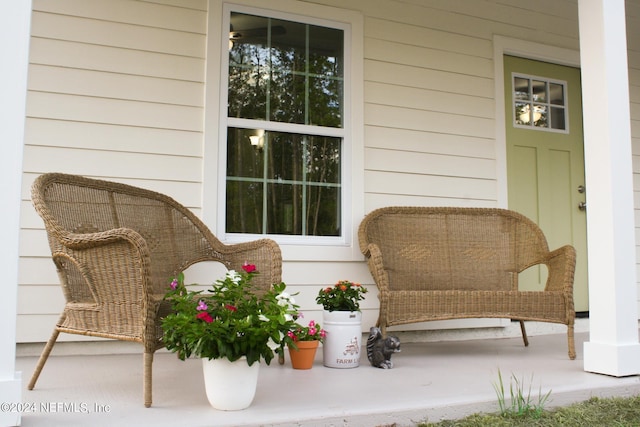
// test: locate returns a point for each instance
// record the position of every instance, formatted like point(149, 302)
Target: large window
point(285, 127)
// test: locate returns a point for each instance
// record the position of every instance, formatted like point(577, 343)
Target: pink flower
point(174, 284)
point(230, 307)
point(249, 268)
point(201, 306)
point(312, 324)
point(323, 333)
point(203, 315)
point(312, 331)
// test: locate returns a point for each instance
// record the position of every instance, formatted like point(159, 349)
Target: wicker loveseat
point(451, 263)
point(116, 248)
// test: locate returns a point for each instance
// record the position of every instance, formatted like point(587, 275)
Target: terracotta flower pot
point(304, 355)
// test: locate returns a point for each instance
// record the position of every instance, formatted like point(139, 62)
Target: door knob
point(581, 189)
point(582, 206)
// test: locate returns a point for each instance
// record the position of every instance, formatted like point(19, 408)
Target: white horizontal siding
point(35, 328)
point(142, 14)
point(429, 142)
point(422, 36)
point(429, 94)
point(379, 200)
point(429, 100)
point(111, 163)
point(429, 186)
point(107, 136)
point(428, 121)
point(415, 163)
point(87, 56)
point(115, 91)
point(417, 56)
point(38, 300)
point(100, 84)
point(57, 106)
point(116, 34)
point(429, 107)
point(34, 244)
point(404, 75)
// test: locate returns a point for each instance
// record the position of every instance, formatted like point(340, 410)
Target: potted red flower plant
point(303, 343)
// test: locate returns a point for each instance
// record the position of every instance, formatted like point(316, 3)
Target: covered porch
point(431, 381)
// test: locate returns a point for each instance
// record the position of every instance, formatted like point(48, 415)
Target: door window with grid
point(540, 103)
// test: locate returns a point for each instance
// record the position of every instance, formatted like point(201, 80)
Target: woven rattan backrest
point(72, 204)
point(449, 248)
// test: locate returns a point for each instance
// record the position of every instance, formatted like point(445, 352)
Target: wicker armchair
point(451, 263)
point(115, 248)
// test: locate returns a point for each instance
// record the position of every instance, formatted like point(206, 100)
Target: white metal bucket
point(342, 344)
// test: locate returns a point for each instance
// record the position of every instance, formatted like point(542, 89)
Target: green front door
point(545, 159)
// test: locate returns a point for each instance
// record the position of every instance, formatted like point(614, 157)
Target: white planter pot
point(342, 344)
point(230, 386)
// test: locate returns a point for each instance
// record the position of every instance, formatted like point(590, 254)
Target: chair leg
point(43, 358)
point(572, 342)
point(281, 355)
point(524, 334)
point(147, 371)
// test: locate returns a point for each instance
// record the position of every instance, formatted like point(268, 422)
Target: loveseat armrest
point(561, 264)
point(373, 254)
point(376, 267)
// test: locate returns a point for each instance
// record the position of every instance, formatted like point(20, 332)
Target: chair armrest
point(264, 253)
point(114, 264)
point(561, 264)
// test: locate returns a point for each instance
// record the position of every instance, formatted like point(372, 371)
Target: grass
point(609, 412)
point(519, 409)
point(519, 404)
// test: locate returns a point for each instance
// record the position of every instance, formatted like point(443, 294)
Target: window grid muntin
point(268, 178)
point(306, 73)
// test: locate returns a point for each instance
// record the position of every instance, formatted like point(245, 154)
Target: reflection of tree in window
point(284, 72)
point(539, 104)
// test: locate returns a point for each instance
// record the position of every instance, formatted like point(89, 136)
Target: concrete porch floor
point(430, 381)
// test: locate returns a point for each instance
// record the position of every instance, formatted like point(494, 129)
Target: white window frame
point(344, 247)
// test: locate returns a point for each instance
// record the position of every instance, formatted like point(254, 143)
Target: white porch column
point(14, 53)
point(613, 347)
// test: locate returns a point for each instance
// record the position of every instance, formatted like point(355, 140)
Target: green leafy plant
point(230, 320)
point(343, 296)
point(519, 403)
